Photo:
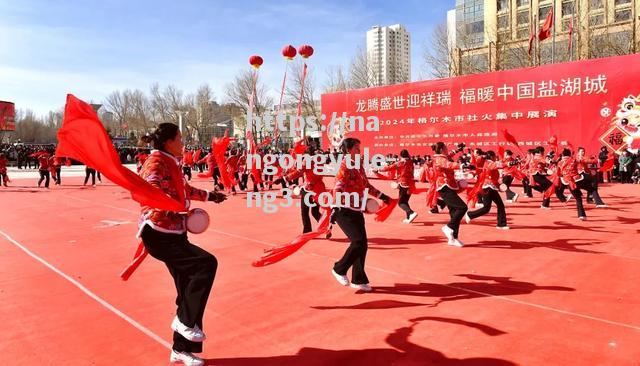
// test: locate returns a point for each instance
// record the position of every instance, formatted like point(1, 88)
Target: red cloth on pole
point(545, 31)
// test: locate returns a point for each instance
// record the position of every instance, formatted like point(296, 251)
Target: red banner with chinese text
point(577, 101)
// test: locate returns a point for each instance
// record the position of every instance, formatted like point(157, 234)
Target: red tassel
point(555, 179)
point(274, 255)
point(385, 211)
point(608, 165)
point(141, 254)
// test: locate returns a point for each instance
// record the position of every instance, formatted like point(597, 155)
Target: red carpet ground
point(552, 291)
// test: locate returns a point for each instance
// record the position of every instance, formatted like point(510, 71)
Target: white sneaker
point(545, 208)
point(448, 232)
point(467, 219)
point(515, 198)
point(456, 243)
point(583, 218)
point(186, 358)
point(192, 334)
point(412, 217)
point(343, 280)
point(503, 227)
point(601, 206)
point(509, 201)
point(362, 287)
point(479, 205)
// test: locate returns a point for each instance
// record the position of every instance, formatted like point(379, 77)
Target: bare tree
point(309, 107)
point(239, 91)
point(337, 80)
point(361, 74)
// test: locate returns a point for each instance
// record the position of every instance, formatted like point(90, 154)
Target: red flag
point(196, 156)
point(253, 150)
point(385, 211)
point(608, 165)
point(218, 148)
point(266, 141)
point(83, 138)
point(510, 139)
point(545, 31)
point(553, 143)
point(274, 255)
point(532, 37)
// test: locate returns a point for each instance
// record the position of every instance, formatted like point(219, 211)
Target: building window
point(520, 3)
point(523, 33)
point(503, 21)
point(566, 25)
point(523, 17)
point(504, 36)
point(595, 4)
point(595, 20)
point(503, 5)
point(620, 2)
point(622, 15)
point(543, 12)
point(567, 8)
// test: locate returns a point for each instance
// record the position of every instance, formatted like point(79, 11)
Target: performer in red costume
point(406, 184)
point(4, 178)
point(164, 236)
point(312, 187)
point(447, 187)
point(489, 182)
point(350, 218)
point(43, 168)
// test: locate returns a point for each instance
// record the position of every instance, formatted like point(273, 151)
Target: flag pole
point(553, 28)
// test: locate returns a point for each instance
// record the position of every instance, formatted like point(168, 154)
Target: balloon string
point(299, 113)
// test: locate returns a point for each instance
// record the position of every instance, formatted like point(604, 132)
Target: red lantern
point(289, 52)
point(305, 51)
point(255, 61)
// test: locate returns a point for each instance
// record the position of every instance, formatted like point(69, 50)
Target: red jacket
point(445, 172)
point(493, 174)
point(538, 165)
point(156, 171)
point(404, 169)
point(312, 181)
point(43, 160)
point(568, 171)
point(3, 165)
point(353, 181)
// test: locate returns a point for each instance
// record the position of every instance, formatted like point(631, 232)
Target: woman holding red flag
point(350, 218)
point(164, 236)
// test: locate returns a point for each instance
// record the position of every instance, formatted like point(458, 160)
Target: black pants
point(44, 175)
point(526, 184)
point(577, 195)
point(99, 176)
point(403, 200)
point(352, 224)
point(508, 180)
point(543, 183)
point(216, 175)
point(186, 170)
point(304, 211)
point(491, 196)
point(90, 172)
point(193, 270)
point(457, 208)
point(591, 182)
point(58, 176)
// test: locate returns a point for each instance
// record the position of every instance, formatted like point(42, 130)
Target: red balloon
point(256, 61)
point(305, 51)
point(289, 52)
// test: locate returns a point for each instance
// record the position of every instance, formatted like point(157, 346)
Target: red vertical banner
point(7, 116)
point(576, 101)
